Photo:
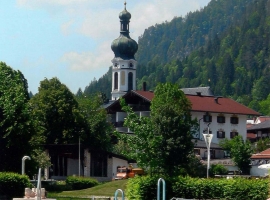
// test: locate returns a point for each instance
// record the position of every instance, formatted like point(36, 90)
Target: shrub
point(145, 187)
point(230, 189)
point(13, 184)
point(218, 169)
point(78, 183)
point(57, 186)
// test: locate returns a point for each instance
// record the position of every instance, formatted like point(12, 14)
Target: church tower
point(124, 63)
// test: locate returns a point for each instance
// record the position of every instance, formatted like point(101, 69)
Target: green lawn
point(105, 189)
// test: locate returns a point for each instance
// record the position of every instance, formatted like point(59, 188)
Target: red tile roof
point(262, 155)
point(209, 104)
point(264, 118)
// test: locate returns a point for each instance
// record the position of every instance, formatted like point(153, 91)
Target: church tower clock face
point(124, 63)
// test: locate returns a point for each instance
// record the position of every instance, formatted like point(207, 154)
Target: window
point(233, 134)
point(130, 64)
point(207, 118)
point(197, 152)
point(115, 64)
point(220, 119)
point(234, 120)
point(115, 80)
point(220, 134)
point(130, 81)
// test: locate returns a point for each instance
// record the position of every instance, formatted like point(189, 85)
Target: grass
point(105, 189)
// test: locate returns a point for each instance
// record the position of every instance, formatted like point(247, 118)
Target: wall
point(227, 126)
point(255, 171)
point(117, 162)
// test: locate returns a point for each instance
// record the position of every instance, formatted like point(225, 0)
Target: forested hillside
point(224, 45)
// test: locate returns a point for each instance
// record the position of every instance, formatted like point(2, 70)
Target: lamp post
point(23, 163)
point(208, 138)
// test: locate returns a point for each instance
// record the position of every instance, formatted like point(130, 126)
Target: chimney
point(144, 86)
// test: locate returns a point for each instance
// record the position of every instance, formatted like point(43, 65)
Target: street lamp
point(23, 163)
point(208, 138)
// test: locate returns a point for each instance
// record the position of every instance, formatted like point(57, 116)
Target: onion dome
point(124, 47)
point(124, 15)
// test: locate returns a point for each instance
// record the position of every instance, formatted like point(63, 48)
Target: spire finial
point(125, 4)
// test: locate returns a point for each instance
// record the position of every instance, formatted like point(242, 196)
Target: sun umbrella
point(264, 166)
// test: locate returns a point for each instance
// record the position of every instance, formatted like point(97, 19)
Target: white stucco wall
point(255, 171)
point(227, 126)
point(117, 162)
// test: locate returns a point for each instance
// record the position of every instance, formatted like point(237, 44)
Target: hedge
point(13, 184)
point(144, 188)
point(78, 183)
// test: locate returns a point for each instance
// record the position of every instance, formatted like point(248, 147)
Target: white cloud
point(87, 61)
point(98, 20)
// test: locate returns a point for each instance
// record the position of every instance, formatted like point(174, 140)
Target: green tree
point(240, 151)
point(57, 111)
point(19, 133)
point(97, 131)
point(262, 144)
point(162, 142)
point(265, 106)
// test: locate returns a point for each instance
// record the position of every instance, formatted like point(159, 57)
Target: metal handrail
point(116, 193)
point(164, 189)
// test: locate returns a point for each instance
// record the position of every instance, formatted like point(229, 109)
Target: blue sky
point(71, 39)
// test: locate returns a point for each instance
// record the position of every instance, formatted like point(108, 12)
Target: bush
point(230, 189)
point(145, 187)
point(57, 186)
point(218, 169)
point(13, 184)
point(78, 183)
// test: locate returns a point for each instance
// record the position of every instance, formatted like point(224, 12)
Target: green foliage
point(12, 184)
point(145, 187)
point(57, 186)
point(42, 158)
point(231, 189)
point(218, 169)
point(265, 106)
point(78, 183)
point(57, 111)
point(97, 131)
point(19, 131)
point(240, 151)
point(163, 141)
point(262, 144)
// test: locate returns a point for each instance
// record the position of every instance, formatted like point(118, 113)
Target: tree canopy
point(18, 131)
point(163, 141)
point(240, 151)
point(57, 111)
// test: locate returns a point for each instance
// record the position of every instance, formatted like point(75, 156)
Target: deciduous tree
point(240, 151)
point(162, 142)
point(18, 131)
